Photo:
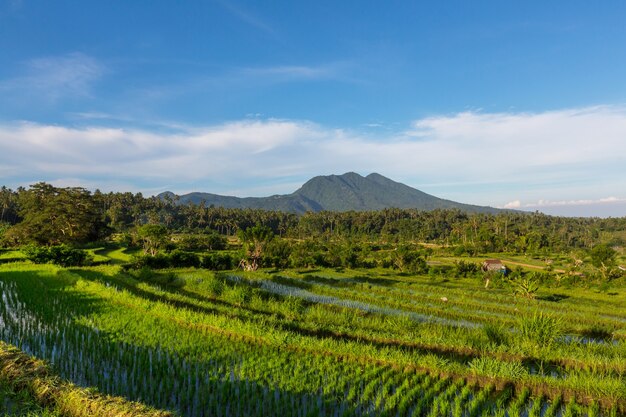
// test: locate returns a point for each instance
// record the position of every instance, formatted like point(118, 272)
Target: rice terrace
point(252, 208)
point(390, 313)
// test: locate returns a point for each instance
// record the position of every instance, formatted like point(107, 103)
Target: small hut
point(494, 265)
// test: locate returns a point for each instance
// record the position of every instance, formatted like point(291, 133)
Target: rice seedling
point(241, 344)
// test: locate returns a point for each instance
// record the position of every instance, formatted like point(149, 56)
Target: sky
point(507, 104)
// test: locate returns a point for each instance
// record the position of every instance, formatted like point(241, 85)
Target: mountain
point(345, 192)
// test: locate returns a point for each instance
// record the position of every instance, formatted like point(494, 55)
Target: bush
point(465, 268)
point(210, 241)
point(218, 261)
point(182, 259)
point(60, 255)
point(158, 261)
point(277, 254)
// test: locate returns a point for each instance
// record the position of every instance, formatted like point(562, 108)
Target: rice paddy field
point(316, 342)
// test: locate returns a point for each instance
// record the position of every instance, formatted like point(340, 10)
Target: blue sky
point(518, 104)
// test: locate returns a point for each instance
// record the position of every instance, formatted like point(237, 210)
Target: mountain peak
point(345, 192)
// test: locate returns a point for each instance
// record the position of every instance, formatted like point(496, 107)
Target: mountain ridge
point(346, 192)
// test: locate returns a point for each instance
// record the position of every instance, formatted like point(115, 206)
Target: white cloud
point(513, 204)
point(548, 203)
point(51, 78)
point(601, 207)
point(564, 155)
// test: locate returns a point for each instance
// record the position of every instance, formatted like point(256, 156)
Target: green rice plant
point(207, 353)
point(432, 361)
point(501, 402)
point(541, 329)
point(554, 406)
point(24, 373)
point(292, 307)
point(459, 402)
point(496, 334)
point(535, 409)
point(475, 407)
point(572, 409)
point(593, 410)
point(238, 294)
point(214, 285)
point(519, 403)
point(492, 367)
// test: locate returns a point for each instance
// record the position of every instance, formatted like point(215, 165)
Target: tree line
point(48, 215)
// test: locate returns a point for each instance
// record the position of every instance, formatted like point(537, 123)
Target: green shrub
point(182, 259)
point(158, 261)
point(60, 255)
point(203, 242)
point(219, 261)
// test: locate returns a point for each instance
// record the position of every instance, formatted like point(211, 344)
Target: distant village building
point(494, 265)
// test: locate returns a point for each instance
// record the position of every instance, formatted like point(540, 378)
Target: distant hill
point(345, 192)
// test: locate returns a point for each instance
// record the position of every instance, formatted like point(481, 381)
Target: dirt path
point(541, 268)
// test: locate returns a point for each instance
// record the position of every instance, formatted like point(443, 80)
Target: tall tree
point(52, 215)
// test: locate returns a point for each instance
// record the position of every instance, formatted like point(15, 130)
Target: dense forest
point(45, 214)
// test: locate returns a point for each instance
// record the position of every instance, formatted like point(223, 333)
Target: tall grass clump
point(540, 329)
point(493, 367)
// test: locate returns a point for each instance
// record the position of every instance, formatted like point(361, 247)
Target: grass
point(322, 342)
point(48, 395)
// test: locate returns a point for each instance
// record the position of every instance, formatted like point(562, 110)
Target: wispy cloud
point(561, 203)
point(246, 16)
point(292, 71)
point(237, 80)
point(601, 207)
point(52, 78)
point(483, 158)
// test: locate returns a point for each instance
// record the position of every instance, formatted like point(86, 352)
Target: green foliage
point(277, 253)
point(158, 261)
point(182, 259)
point(219, 261)
point(153, 237)
point(492, 367)
point(161, 279)
point(307, 254)
point(52, 215)
point(202, 242)
point(238, 294)
point(603, 255)
point(4, 227)
point(357, 342)
point(465, 268)
point(60, 255)
point(215, 285)
point(408, 259)
point(496, 334)
point(255, 239)
point(525, 286)
point(540, 328)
